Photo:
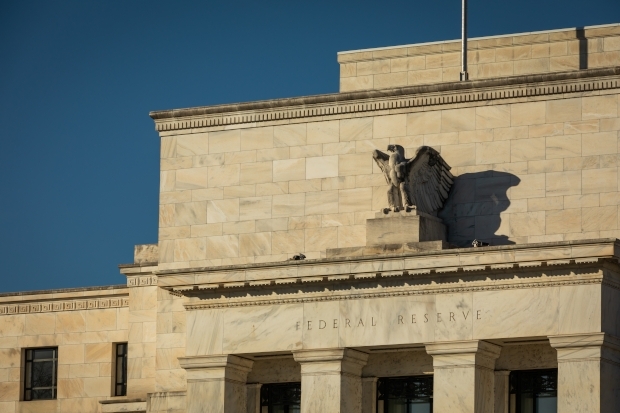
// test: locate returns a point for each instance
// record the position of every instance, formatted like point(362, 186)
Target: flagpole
point(464, 74)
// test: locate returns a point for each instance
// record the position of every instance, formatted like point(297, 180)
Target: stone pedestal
point(404, 227)
point(331, 380)
point(463, 376)
point(588, 373)
point(216, 384)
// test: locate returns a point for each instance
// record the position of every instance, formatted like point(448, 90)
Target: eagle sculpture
point(421, 183)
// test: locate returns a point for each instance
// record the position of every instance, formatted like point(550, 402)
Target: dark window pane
point(40, 374)
point(120, 389)
point(533, 391)
point(47, 353)
point(281, 397)
point(42, 394)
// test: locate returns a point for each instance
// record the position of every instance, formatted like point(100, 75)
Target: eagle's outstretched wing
point(428, 180)
point(383, 161)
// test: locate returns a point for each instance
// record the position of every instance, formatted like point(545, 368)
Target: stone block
point(209, 160)
point(189, 249)
point(356, 129)
point(503, 134)
point(190, 213)
point(489, 117)
point(40, 324)
point(320, 239)
point(351, 200)
point(599, 180)
point(597, 107)
point(168, 147)
point(563, 183)
point(456, 120)
point(289, 135)
point(423, 123)
point(493, 152)
point(404, 227)
point(563, 110)
point(287, 241)
point(255, 173)
point(530, 113)
point(528, 223)
point(351, 236)
point(288, 205)
point(222, 210)
point(289, 170)
point(239, 227)
point(309, 185)
point(324, 202)
point(322, 167)
point(255, 208)
point(256, 138)
point(323, 132)
point(421, 77)
point(239, 191)
point(272, 188)
point(193, 144)
point(225, 141)
point(566, 146)
point(272, 154)
point(390, 80)
point(70, 322)
point(223, 175)
point(563, 221)
point(599, 143)
point(458, 155)
point(355, 164)
point(599, 218)
point(240, 157)
point(349, 84)
point(225, 246)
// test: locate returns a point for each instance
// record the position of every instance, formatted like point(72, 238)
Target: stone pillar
point(463, 376)
point(588, 373)
point(216, 384)
point(331, 380)
point(369, 395)
point(502, 391)
point(253, 390)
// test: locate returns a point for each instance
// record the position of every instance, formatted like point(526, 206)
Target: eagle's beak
point(390, 148)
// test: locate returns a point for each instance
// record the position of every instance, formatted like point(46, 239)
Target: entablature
point(446, 271)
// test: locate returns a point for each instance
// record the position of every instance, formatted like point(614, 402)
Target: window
point(120, 381)
point(405, 395)
point(280, 398)
point(40, 373)
point(534, 391)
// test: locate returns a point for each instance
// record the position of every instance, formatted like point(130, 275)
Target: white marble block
point(216, 384)
point(404, 227)
point(588, 372)
point(331, 380)
point(463, 376)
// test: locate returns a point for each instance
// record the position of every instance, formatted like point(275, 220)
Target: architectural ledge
point(447, 271)
point(123, 405)
point(337, 104)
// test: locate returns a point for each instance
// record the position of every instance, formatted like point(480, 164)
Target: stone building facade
point(217, 317)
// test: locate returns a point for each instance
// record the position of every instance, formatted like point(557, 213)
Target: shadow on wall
point(474, 206)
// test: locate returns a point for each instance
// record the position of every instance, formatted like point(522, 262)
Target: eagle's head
point(396, 149)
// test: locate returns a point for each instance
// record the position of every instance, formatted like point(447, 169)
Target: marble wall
point(528, 170)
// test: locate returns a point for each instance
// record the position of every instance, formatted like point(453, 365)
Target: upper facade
point(532, 140)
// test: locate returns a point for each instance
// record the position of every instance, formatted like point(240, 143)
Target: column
point(369, 394)
point(331, 380)
point(216, 384)
point(253, 390)
point(502, 391)
point(463, 376)
point(588, 372)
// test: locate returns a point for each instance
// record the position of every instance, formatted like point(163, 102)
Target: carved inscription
point(399, 319)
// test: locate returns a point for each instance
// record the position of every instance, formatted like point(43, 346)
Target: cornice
point(77, 304)
point(416, 290)
point(349, 103)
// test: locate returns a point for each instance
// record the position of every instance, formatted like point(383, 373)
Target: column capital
point(226, 366)
point(586, 346)
point(464, 353)
point(322, 361)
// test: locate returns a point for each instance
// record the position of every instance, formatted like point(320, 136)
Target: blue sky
point(80, 157)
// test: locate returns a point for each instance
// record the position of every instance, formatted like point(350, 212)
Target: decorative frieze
point(58, 306)
point(407, 97)
point(142, 281)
